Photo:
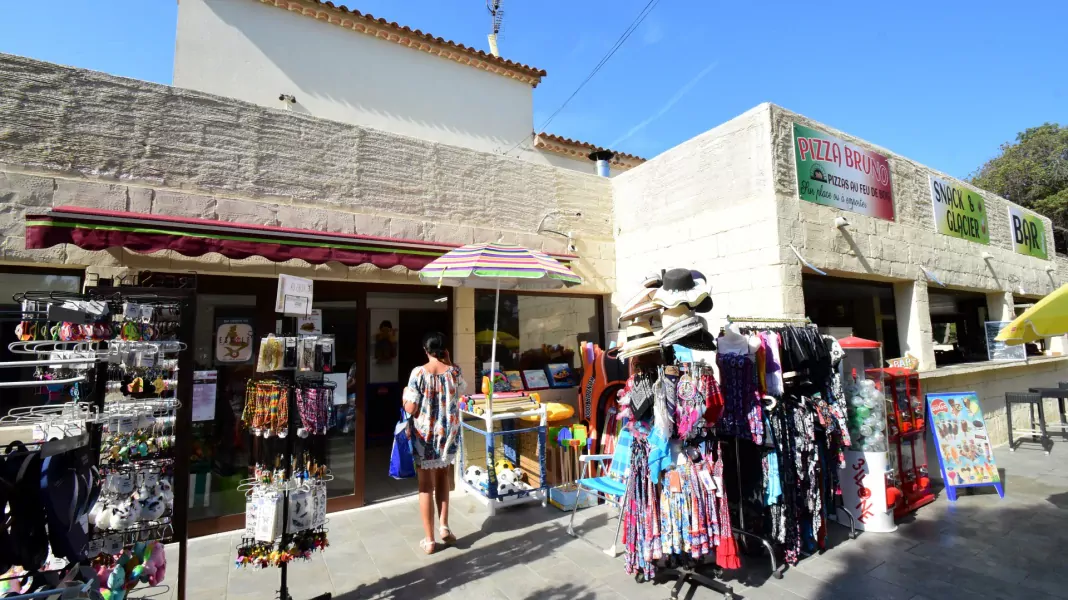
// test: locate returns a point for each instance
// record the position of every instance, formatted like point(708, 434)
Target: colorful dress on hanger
point(436, 424)
point(742, 411)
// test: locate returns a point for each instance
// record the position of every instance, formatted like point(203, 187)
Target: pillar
point(914, 321)
point(463, 335)
point(1000, 306)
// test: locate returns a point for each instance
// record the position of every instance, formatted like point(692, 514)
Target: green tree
point(1032, 172)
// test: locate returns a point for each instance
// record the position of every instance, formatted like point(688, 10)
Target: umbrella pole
point(493, 351)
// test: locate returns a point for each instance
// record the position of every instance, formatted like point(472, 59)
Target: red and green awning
point(95, 229)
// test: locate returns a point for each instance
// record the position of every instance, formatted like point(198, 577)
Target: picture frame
point(560, 375)
point(536, 379)
point(515, 378)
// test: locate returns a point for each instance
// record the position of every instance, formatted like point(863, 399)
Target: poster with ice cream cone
point(965, 454)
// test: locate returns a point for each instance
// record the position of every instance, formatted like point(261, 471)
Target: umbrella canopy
point(1048, 317)
point(511, 266)
point(485, 337)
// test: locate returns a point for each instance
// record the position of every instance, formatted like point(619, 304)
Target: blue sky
point(943, 82)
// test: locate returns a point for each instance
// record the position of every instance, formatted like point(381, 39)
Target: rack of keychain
point(771, 547)
point(81, 342)
point(285, 507)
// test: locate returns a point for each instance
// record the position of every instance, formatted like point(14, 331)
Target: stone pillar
point(999, 306)
point(463, 335)
point(914, 321)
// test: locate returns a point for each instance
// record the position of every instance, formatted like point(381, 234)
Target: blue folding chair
point(612, 486)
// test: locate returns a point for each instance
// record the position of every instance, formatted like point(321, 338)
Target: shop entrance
point(398, 323)
point(853, 307)
point(377, 331)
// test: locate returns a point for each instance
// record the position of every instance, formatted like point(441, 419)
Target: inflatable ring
point(555, 411)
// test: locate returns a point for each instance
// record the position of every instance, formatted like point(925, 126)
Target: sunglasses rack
point(287, 409)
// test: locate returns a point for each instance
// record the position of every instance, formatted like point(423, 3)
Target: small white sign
point(311, 324)
point(204, 389)
point(294, 295)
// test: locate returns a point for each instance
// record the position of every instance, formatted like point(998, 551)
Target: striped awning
point(95, 229)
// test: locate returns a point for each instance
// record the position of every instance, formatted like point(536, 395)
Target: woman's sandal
point(428, 546)
point(447, 535)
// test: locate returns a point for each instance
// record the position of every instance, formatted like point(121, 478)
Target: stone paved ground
point(980, 547)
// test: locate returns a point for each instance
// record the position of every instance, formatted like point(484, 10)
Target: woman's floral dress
point(436, 426)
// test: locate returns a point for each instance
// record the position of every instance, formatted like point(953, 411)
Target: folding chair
point(612, 486)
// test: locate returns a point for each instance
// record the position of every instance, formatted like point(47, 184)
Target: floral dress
point(436, 426)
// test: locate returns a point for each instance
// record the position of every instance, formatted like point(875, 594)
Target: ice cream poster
point(962, 441)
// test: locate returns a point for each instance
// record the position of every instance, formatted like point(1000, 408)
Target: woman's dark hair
point(434, 344)
point(386, 324)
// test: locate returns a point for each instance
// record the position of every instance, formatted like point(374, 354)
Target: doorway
point(397, 324)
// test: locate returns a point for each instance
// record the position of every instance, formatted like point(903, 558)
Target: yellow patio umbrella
point(1048, 317)
point(485, 338)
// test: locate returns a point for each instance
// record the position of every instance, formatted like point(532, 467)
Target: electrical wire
point(623, 37)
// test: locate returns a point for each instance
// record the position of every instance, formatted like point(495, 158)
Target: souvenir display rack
point(496, 423)
point(286, 419)
point(76, 338)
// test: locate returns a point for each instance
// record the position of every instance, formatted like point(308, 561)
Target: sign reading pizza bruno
point(1028, 233)
point(959, 212)
point(833, 172)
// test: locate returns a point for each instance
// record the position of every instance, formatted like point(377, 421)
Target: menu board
point(996, 350)
point(961, 440)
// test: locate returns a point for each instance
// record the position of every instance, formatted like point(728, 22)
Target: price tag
point(95, 548)
point(706, 480)
point(674, 482)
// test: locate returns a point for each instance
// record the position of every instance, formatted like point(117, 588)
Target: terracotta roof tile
point(343, 16)
point(576, 148)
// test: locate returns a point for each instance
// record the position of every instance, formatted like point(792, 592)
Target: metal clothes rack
point(776, 569)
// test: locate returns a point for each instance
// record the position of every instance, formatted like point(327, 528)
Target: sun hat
point(700, 340)
point(641, 338)
point(652, 280)
point(680, 329)
point(640, 305)
point(671, 316)
point(681, 287)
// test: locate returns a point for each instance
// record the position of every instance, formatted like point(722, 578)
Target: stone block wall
point(707, 204)
point(991, 387)
point(894, 250)
point(76, 137)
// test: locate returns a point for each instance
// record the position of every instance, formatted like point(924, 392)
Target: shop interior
point(958, 323)
point(845, 307)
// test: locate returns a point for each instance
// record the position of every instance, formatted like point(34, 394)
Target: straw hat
point(639, 306)
point(641, 338)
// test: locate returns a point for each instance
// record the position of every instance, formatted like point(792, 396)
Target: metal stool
point(1037, 436)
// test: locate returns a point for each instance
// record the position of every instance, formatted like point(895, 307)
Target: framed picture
point(560, 375)
point(515, 379)
point(535, 380)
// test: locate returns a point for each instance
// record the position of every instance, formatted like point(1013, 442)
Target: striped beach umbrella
point(510, 267)
point(513, 267)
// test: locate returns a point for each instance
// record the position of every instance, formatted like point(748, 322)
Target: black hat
point(683, 286)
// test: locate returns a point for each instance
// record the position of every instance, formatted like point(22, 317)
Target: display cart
point(906, 435)
point(500, 440)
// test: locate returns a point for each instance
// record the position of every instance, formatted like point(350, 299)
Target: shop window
point(537, 334)
point(842, 307)
point(1060, 241)
point(12, 283)
point(958, 321)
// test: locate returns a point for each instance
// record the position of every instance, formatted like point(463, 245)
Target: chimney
point(493, 45)
point(602, 157)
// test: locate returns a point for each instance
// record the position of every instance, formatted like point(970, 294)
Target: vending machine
point(906, 435)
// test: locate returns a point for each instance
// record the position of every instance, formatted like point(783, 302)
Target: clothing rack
point(771, 547)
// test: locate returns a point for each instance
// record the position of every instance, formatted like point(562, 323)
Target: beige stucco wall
point(76, 137)
point(706, 204)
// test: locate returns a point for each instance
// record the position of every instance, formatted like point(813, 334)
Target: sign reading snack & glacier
point(959, 212)
point(833, 172)
point(1028, 233)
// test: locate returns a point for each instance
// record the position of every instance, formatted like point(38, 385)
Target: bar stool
point(1037, 436)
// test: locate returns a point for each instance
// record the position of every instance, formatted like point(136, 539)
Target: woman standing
point(432, 399)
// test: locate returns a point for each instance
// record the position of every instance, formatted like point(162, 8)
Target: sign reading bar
point(833, 172)
point(294, 295)
point(959, 212)
point(1028, 233)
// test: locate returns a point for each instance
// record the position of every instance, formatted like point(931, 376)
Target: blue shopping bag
point(401, 463)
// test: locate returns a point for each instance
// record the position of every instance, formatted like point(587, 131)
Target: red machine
point(906, 434)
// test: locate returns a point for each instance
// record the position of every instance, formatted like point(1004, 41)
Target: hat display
point(640, 305)
point(680, 329)
point(652, 280)
point(641, 338)
point(671, 316)
point(681, 287)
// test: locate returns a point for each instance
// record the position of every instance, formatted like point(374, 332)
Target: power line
point(648, 8)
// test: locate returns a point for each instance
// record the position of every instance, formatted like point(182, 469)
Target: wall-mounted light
point(1051, 269)
point(986, 256)
point(841, 222)
point(287, 98)
point(442, 299)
